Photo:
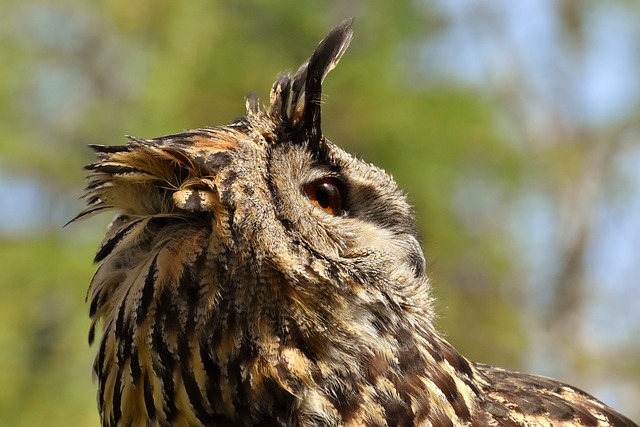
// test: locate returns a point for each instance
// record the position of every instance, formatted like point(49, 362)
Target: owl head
point(259, 251)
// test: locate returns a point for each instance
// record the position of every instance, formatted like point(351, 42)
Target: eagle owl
point(256, 274)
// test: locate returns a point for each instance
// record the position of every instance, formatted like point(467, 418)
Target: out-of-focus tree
point(517, 182)
point(562, 78)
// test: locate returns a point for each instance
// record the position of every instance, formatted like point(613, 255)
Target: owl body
point(257, 274)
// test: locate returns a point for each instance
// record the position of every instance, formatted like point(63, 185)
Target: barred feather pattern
point(224, 297)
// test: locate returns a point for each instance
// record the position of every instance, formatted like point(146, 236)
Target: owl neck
point(341, 374)
point(255, 369)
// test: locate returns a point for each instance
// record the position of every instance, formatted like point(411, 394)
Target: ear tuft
point(296, 100)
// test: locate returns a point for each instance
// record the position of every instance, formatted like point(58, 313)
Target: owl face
point(323, 203)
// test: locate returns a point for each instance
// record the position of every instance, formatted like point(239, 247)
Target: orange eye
point(325, 194)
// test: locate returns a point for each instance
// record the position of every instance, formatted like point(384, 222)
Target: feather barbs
point(159, 176)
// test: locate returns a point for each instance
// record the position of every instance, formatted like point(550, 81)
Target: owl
point(255, 274)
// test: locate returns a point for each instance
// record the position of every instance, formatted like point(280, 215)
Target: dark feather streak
point(147, 292)
point(109, 244)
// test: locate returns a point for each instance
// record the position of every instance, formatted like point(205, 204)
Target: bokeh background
point(513, 126)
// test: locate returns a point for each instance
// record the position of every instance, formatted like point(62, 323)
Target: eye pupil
point(326, 194)
point(323, 194)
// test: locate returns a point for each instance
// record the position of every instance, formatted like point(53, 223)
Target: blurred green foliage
point(92, 72)
point(45, 361)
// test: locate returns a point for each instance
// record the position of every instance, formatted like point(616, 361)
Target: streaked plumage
point(256, 274)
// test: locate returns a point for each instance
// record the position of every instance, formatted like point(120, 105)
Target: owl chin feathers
point(257, 274)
